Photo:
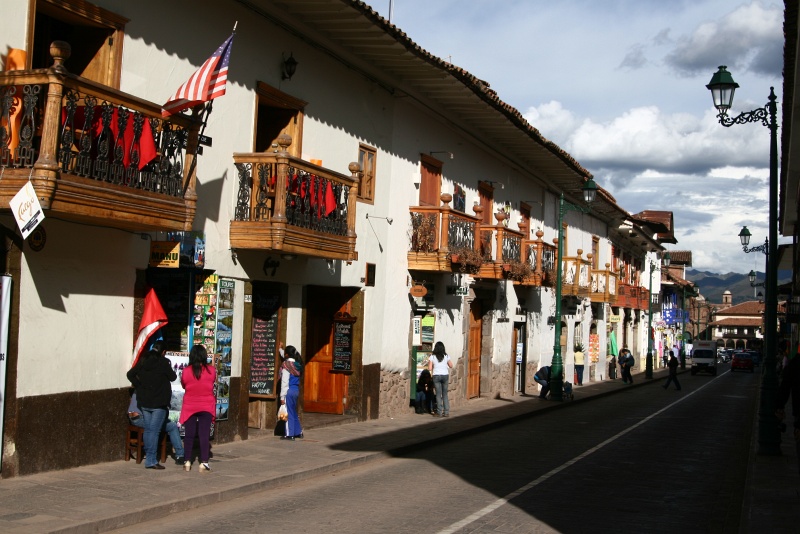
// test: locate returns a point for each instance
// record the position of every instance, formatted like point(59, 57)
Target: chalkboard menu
point(343, 341)
point(266, 309)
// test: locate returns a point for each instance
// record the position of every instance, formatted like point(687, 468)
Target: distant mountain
point(713, 285)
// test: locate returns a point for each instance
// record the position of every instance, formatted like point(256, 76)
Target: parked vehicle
point(756, 357)
point(704, 357)
point(742, 361)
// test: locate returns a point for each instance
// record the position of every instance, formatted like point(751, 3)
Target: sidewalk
point(112, 495)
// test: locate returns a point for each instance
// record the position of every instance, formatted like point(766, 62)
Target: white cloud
point(621, 87)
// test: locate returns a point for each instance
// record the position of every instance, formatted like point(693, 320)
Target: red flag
point(330, 200)
point(153, 318)
point(207, 83)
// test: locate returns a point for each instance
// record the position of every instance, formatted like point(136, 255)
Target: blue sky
point(620, 85)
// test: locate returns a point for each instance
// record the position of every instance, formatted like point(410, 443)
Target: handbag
point(280, 425)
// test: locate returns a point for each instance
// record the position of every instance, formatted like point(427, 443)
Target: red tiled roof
point(752, 307)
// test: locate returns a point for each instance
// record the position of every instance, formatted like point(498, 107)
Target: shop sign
point(615, 318)
point(418, 291)
point(26, 209)
point(459, 291)
point(191, 248)
point(165, 254)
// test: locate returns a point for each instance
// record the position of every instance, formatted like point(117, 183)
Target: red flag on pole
point(153, 318)
point(207, 83)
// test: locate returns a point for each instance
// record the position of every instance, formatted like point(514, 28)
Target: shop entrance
point(324, 389)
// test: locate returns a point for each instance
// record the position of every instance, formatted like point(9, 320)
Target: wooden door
point(323, 389)
point(430, 185)
point(474, 349)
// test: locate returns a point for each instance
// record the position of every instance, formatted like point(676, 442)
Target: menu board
point(266, 309)
point(343, 342)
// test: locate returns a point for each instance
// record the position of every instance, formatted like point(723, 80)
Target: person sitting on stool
point(171, 428)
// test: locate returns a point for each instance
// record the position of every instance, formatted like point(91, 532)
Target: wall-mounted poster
point(428, 323)
point(224, 340)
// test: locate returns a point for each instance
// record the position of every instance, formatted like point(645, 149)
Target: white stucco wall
point(76, 316)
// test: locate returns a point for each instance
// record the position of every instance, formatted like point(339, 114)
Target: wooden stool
point(134, 444)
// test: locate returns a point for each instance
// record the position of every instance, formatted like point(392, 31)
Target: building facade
point(350, 194)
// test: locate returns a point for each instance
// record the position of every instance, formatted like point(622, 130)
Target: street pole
point(648, 369)
point(722, 88)
point(557, 365)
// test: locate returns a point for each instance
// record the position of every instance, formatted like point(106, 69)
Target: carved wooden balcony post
point(478, 209)
point(45, 170)
point(500, 234)
point(444, 231)
point(282, 164)
point(279, 221)
point(355, 172)
point(539, 253)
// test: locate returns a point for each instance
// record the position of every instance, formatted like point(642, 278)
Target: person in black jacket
point(152, 379)
point(542, 377)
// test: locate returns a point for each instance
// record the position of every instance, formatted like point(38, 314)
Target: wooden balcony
point(604, 285)
point(446, 241)
point(94, 154)
point(292, 206)
point(576, 279)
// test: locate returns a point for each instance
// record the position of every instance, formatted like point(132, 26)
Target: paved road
point(647, 461)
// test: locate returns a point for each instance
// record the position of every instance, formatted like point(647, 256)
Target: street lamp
point(752, 278)
point(648, 369)
point(722, 88)
point(557, 365)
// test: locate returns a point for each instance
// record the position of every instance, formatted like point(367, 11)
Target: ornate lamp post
point(557, 365)
point(648, 369)
point(722, 88)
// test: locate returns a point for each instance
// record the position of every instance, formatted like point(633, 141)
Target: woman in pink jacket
point(199, 405)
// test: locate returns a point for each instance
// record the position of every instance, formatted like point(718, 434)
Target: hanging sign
point(615, 318)
point(418, 291)
point(27, 210)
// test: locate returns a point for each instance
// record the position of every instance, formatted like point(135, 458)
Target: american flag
point(207, 83)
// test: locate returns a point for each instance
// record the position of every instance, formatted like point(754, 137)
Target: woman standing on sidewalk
point(152, 378)
point(439, 365)
point(199, 405)
point(291, 370)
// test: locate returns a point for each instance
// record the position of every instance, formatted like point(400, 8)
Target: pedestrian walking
point(542, 377)
point(625, 363)
point(199, 406)
point(152, 377)
point(439, 365)
point(673, 372)
point(291, 370)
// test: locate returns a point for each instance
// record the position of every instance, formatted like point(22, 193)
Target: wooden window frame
point(272, 97)
point(80, 11)
point(366, 184)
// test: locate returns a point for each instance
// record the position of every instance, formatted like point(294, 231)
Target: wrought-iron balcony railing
point(292, 206)
point(93, 153)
